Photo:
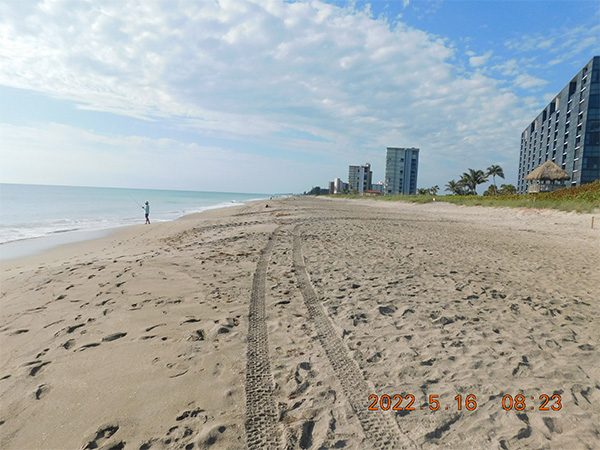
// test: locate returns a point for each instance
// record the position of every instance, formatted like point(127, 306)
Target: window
point(572, 88)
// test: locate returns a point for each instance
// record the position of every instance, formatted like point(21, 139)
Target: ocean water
point(34, 211)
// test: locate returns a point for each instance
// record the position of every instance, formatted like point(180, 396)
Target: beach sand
point(278, 327)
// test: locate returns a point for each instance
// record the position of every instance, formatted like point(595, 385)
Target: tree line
point(468, 182)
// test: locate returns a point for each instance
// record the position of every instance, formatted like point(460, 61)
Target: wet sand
point(279, 327)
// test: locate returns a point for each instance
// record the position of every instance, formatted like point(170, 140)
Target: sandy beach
point(312, 323)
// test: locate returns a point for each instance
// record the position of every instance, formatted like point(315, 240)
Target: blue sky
point(273, 96)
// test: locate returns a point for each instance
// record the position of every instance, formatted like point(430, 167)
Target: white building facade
point(359, 178)
point(339, 187)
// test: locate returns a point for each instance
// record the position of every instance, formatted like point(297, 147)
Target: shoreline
point(182, 334)
point(26, 247)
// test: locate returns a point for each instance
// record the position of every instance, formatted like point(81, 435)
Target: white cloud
point(478, 61)
point(508, 68)
point(572, 41)
point(526, 81)
point(252, 70)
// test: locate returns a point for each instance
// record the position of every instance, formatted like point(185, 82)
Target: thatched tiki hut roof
point(548, 172)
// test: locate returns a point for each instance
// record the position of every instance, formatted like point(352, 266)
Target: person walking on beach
point(147, 211)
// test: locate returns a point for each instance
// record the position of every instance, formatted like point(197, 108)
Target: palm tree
point(455, 187)
point(473, 178)
point(491, 190)
point(434, 190)
point(507, 189)
point(494, 170)
point(452, 186)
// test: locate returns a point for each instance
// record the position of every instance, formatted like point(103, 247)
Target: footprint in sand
point(152, 327)
point(100, 437)
point(19, 332)
point(198, 335)
point(42, 353)
point(33, 372)
point(188, 430)
point(86, 346)
point(41, 391)
point(114, 337)
point(74, 327)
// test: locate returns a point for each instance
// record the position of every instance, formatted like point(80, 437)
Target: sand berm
point(310, 323)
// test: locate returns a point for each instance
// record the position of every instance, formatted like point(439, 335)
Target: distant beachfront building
point(380, 187)
point(567, 131)
point(359, 178)
point(339, 187)
point(401, 169)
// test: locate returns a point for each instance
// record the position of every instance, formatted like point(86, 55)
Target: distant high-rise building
point(401, 169)
point(567, 131)
point(359, 178)
point(339, 187)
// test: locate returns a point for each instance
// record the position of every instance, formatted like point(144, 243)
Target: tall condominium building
point(401, 168)
point(567, 131)
point(359, 178)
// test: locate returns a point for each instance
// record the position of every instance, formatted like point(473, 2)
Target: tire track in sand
point(262, 419)
point(381, 432)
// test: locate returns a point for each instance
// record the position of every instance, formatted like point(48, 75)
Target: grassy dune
point(584, 198)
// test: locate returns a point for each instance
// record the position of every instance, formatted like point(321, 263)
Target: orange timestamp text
point(406, 402)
